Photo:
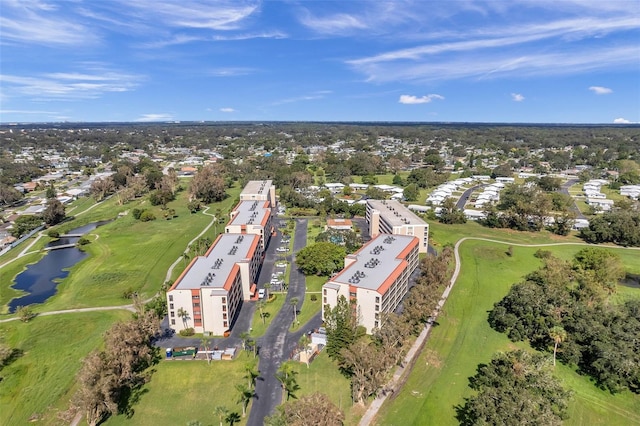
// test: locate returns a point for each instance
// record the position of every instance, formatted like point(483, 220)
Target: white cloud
point(320, 94)
point(92, 82)
point(599, 90)
point(412, 100)
point(230, 72)
point(623, 121)
point(517, 97)
point(155, 117)
point(227, 110)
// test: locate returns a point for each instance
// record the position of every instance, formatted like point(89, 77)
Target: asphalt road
point(462, 201)
point(277, 343)
point(565, 190)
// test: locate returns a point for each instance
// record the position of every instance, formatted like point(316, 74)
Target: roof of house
point(376, 262)
point(214, 268)
point(258, 187)
point(251, 213)
point(395, 213)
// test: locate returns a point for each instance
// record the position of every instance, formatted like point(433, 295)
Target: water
point(40, 279)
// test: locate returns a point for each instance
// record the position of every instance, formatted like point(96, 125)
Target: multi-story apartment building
point(260, 190)
point(252, 217)
point(209, 293)
point(392, 217)
point(375, 278)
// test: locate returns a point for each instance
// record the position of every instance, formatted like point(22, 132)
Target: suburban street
point(565, 190)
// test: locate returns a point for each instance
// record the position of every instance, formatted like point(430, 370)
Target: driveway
point(565, 190)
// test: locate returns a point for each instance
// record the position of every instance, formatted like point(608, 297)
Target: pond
point(40, 279)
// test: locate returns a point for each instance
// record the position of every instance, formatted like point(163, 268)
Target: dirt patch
point(432, 359)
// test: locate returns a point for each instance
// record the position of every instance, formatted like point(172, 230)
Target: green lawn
point(40, 382)
point(271, 308)
point(308, 310)
point(183, 391)
point(463, 339)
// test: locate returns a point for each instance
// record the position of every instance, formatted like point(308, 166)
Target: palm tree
point(267, 288)
point(232, 418)
point(251, 374)
point(184, 314)
point(559, 335)
point(294, 302)
point(261, 305)
point(205, 344)
point(245, 396)
point(221, 411)
point(286, 376)
point(244, 336)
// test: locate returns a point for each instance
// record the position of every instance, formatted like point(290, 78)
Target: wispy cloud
point(320, 94)
point(517, 97)
point(227, 110)
point(155, 117)
point(413, 100)
point(230, 72)
point(37, 22)
point(92, 82)
point(599, 90)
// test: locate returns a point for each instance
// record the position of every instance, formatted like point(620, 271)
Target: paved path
point(395, 384)
point(565, 190)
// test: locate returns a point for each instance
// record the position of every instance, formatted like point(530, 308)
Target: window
point(325, 301)
point(224, 316)
point(225, 324)
point(173, 322)
point(224, 308)
point(377, 308)
point(197, 322)
point(377, 299)
point(324, 291)
point(173, 314)
point(170, 305)
point(196, 313)
point(196, 297)
point(224, 300)
point(375, 324)
point(171, 298)
point(196, 305)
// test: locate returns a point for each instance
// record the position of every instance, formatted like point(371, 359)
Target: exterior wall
point(177, 299)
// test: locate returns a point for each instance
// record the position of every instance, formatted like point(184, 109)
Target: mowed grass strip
point(40, 382)
point(463, 339)
point(184, 391)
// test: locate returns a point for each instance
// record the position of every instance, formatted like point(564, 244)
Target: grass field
point(124, 255)
point(463, 339)
point(40, 383)
point(184, 391)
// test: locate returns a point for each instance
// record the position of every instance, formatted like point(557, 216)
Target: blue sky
point(537, 61)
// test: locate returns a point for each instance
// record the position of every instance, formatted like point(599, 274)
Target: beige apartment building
point(210, 291)
point(252, 217)
point(393, 217)
point(375, 278)
point(259, 190)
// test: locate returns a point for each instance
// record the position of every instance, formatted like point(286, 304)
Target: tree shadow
point(13, 355)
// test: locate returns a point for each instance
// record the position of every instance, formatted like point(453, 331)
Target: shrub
point(146, 216)
point(313, 298)
point(136, 213)
point(53, 233)
point(83, 241)
point(187, 332)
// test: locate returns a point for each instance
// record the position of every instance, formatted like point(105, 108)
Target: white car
point(261, 293)
point(282, 249)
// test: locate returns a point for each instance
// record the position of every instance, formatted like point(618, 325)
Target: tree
point(311, 410)
point(244, 337)
point(286, 375)
point(204, 342)
point(367, 365)
point(251, 374)
point(294, 303)
point(54, 213)
point(244, 397)
point(232, 418)
point(221, 411)
point(96, 384)
point(342, 328)
point(320, 258)
point(8, 195)
point(558, 335)
point(261, 304)
point(411, 192)
point(208, 185)
point(184, 315)
point(515, 388)
point(450, 214)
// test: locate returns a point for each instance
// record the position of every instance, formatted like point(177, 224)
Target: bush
point(83, 241)
point(137, 213)
point(146, 216)
point(53, 233)
point(313, 297)
point(187, 332)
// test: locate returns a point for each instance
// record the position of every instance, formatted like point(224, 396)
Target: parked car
point(262, 293)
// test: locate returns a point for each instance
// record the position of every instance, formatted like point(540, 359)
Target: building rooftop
point(257, 187)
point(213, 269)
point(251, 213)
point(376, 261)
point(396, 213)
